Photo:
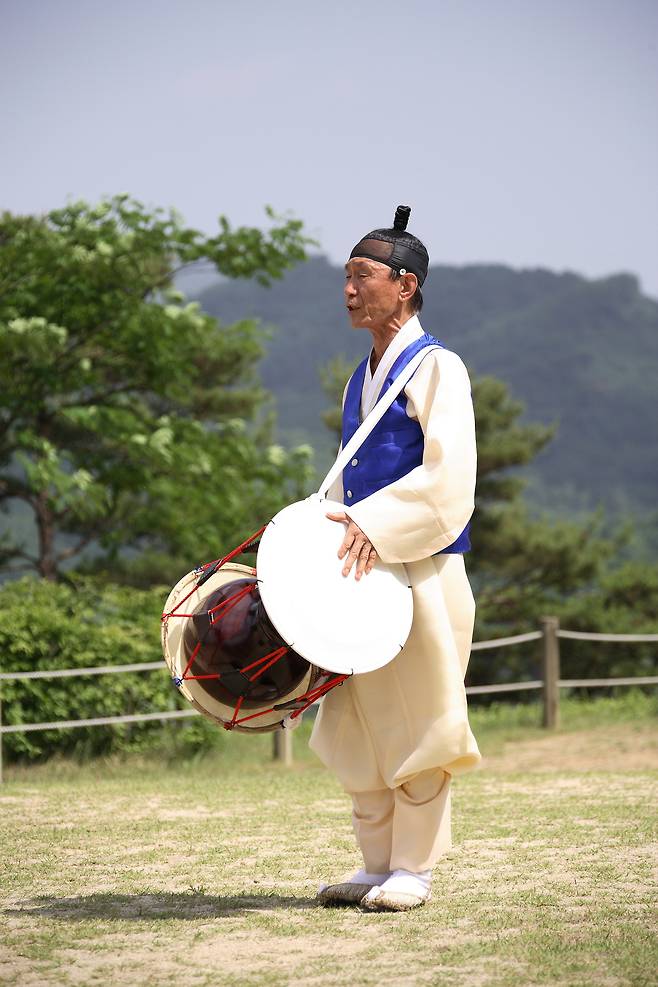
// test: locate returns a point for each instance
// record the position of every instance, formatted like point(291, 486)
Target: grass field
point(205, 873)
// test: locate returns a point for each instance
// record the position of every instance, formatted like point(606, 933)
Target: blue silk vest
point(395, 445)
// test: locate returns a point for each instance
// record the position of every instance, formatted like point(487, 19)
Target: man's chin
point(358, 319)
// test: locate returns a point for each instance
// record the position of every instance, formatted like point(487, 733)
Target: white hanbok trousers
point(395, 736)
point(404, 828)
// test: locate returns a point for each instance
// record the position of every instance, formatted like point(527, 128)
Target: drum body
point(224, 622)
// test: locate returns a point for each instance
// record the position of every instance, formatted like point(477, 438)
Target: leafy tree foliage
point(123, 407)
point(521, 567)
point(333, 376)
point(624, 600)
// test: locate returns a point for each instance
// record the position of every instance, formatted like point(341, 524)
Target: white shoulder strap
point(369, 422)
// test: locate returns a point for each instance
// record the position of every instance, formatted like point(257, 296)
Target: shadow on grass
point(155, 905)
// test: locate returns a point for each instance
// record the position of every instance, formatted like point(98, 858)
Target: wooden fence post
point(551, 672)
point(282, 748)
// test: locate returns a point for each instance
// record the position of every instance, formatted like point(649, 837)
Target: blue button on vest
point(395, 445)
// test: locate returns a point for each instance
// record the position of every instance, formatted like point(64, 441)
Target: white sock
point(363, 877)
point(406, 882)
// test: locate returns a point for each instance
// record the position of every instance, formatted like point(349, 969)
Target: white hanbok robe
point(381, 729)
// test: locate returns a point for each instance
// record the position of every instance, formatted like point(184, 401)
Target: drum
point(252, 648)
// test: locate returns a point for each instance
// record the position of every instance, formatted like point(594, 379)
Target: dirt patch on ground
point(612, 748)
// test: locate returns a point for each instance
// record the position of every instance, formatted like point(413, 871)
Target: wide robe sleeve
point(425, 511)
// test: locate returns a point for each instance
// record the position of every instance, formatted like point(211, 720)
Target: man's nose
point(349, 288)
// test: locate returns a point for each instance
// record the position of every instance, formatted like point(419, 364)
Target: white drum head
point(332, 620)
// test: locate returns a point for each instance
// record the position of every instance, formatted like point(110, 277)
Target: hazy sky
point(520, 131)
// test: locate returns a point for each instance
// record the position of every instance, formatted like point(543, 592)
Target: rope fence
point(63, 673)
point(550, 683)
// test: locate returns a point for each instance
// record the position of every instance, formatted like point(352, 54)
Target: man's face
point(372, 297)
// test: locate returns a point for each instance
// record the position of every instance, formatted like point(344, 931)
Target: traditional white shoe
point(350, 891)
point(403, 890)
point(377, 900)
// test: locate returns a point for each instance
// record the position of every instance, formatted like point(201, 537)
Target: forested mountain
point(581, 353)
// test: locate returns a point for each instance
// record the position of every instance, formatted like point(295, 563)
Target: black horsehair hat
point(396, 248)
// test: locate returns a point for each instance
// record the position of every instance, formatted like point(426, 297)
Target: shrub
point(47, 625)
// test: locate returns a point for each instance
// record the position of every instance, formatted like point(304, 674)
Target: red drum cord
point(207, 570)
point(306, 700)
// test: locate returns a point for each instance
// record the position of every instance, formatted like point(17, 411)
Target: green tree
point(624, 600)
point(124, 410)
point(522, 566)
point(333, 377)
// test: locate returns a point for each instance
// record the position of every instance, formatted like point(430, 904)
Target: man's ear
point(408, 285)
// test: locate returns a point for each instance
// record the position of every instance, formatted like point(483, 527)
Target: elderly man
point(395, 736)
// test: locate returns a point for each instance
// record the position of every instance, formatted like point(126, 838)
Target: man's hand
point(356, 547)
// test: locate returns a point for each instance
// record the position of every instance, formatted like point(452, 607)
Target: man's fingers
point(352, 535)
point(353, 554)
point(362, 560)
point(349, 534)
point(355, 547)
point(372, 558)
point(348, 541)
